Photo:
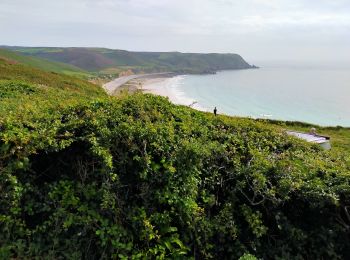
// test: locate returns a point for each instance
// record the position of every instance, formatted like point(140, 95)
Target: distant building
point(312, 137)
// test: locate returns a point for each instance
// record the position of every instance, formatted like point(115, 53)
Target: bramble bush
point(139, 177)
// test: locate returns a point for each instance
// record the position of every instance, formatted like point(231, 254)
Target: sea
point(317, 95)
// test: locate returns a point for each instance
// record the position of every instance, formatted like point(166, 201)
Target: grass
point(340, 136)
point(29, 74)
point(43, 64)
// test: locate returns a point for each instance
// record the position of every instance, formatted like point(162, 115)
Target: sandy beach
point(131, 82)
point(169, 87)
point(162, 84)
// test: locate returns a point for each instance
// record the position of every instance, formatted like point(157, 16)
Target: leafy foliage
point(340, 136)
point(87, 176)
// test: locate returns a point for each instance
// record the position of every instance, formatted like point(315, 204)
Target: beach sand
point(132, 83)
point(168, 87)
point(158, 86)
point(165, 85)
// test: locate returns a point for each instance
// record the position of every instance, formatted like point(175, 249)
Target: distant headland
point(110, 61)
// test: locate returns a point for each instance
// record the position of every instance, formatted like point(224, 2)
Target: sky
point(276, 30)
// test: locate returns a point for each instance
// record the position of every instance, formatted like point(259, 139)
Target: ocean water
point(314, 95)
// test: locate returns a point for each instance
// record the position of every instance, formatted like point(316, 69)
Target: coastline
point(161, 84)
point(118, 84)
point(169, 87)
point(164, 84)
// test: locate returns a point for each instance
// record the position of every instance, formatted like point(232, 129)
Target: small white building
point(323, 141)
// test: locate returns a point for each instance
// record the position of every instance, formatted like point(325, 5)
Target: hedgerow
point(139, 177)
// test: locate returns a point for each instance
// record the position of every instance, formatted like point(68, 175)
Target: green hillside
point(100, 59)
point(42, 64)
point(51, 80)
point(87, 176)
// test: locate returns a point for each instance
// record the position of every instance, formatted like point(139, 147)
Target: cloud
point(254, 28)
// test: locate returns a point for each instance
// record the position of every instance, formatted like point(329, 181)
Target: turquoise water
point(319, 96)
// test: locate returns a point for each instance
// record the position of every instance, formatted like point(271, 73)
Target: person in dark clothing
point(215, 110)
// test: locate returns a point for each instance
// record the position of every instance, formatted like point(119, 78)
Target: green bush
point(12, 89)
point(139, 178)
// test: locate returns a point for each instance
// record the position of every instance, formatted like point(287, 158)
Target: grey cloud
point(257, 29)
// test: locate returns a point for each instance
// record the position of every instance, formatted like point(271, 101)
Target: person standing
point(215, 111)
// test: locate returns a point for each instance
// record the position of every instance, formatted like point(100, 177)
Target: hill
point(100, 59)
point(87, 176)
point(42, 64)
point(11, 71)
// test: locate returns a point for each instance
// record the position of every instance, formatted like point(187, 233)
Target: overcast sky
point(296, 30)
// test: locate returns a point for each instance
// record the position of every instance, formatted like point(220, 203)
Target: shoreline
point(169, 87)
point(117, 84)
point(136, 82)
point(161, 84)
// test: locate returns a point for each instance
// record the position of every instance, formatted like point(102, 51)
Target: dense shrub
point(139, 177)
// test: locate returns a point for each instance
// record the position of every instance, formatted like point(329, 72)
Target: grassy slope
point(43, 64)
point(29, 74)
point(83, 174)
point(340, 137)
point(99, 59)
point(151, 176)
point(27, 93)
